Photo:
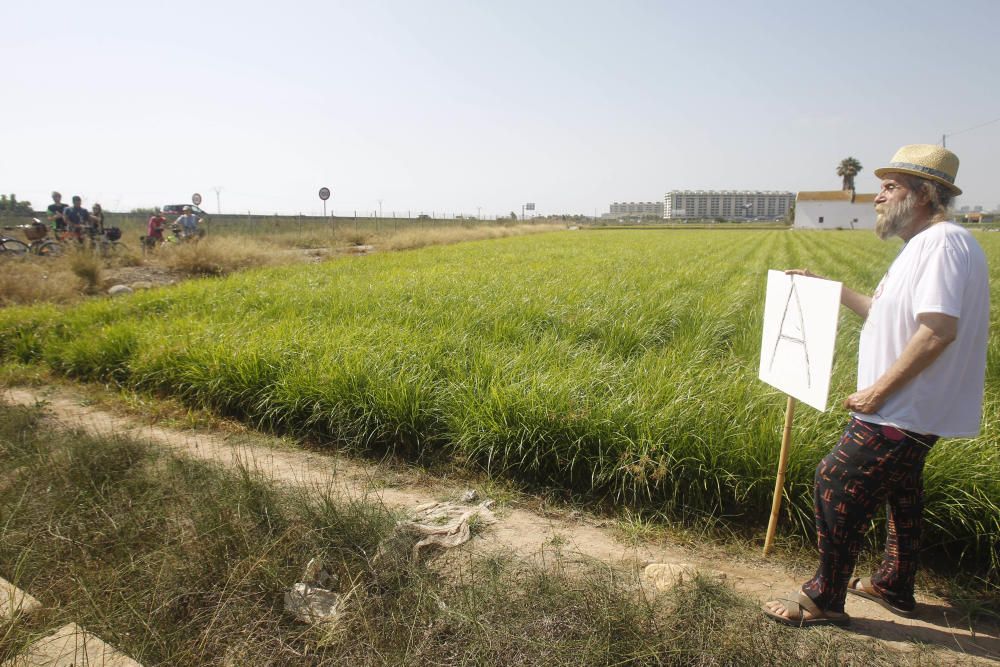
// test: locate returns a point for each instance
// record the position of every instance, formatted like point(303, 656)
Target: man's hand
point(865, 401)
point(859, 303)
point(802, 272)
point(935, 333)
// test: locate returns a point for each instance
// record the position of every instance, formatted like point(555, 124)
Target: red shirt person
point(154, 229)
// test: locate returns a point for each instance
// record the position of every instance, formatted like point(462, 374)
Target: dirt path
point(524, 532)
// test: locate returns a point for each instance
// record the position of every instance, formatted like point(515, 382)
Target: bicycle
point(184, 235)
point(107, 243)
point(38, 244)
point(12, 247)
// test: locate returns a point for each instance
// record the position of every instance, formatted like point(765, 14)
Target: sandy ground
point(524, 532)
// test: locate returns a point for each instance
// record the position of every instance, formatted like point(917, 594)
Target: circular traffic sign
point(196, 199)
point(324, 193)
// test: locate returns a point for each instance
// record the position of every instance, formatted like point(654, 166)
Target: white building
point(834, 209)
point(726, 204)
point(637, 208)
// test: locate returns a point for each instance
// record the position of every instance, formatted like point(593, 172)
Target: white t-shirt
point(940, 270)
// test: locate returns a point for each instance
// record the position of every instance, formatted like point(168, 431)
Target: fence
point(250, 224)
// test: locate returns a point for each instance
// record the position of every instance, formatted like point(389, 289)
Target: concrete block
point(14, 601)
point(71, 646)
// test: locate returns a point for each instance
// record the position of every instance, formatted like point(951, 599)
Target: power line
point(944, 137)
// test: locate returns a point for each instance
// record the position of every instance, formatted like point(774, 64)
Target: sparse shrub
point(127, 257)
point(25, 280)
point(88, 267)
point(215, 255)
point(353, 237)
point(420, 238)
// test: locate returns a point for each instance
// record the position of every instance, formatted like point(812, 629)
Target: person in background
point(154, 228)
point(56, 209)
point(921, 372)
point(77, 218)
point(188, 223)
point(96, 219)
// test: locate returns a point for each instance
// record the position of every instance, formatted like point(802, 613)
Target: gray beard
point(893, 218)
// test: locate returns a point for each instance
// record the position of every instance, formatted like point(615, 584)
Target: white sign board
point(800, 329)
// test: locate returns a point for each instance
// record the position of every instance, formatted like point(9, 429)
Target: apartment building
point(637, 209)
point(726, 204)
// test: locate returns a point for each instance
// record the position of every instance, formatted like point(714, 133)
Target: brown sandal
point(795, 603)
point(863, 587)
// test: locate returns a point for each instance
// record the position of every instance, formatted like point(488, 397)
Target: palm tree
point(848, 169)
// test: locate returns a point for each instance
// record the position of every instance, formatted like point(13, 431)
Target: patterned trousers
point(871, 465)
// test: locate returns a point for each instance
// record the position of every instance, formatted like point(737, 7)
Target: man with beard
point(921, 368)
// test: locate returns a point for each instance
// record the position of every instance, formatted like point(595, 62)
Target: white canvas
point(800, 329)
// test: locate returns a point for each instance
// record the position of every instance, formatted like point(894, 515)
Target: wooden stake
point(779, 482)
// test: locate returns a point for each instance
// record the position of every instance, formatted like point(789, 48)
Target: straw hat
point(928, 161)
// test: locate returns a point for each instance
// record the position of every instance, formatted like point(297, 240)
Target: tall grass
point(89, 268)
point(620, 365)
point(310, 231)
point(67, 278)
point(33, 280)
point(215, 256)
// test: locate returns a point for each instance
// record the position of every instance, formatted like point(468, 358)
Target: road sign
point(196, 199)
point(324, 193)
point(530, 206)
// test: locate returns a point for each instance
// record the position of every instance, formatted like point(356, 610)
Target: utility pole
point(218, 201)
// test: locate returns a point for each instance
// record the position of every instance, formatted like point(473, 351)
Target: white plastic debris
point(310, 604)
point(311, 600)
point(445, 525)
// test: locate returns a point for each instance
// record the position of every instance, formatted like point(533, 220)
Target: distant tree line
point(9, 205)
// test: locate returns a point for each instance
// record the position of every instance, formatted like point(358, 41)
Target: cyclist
point(154, 229)
point(56, 209)
point(188, 224)
point(77, 219)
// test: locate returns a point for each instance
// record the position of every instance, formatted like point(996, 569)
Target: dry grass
point(62, 279)
point(75, 275)
point(216, 255)
point(177, 562)
point(89, 268)
point(419, 238)
point(310, 239)
point(29, 279)
point(351, 237)
point(391, 238)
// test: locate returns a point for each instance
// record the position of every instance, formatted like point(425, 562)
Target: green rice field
point(619, 365)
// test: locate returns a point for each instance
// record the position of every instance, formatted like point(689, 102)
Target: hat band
point(922, 169)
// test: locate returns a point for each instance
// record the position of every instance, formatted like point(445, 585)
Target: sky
point(476, 107)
